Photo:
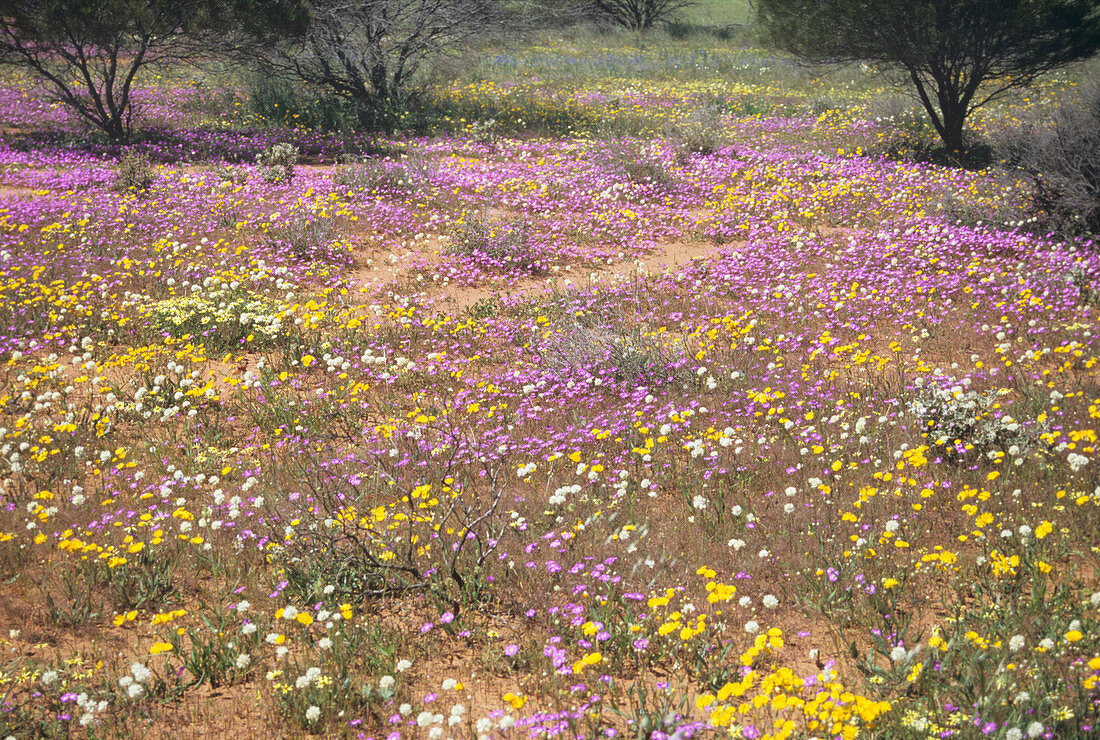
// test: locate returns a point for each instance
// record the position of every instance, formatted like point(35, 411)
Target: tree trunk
point(954, 124)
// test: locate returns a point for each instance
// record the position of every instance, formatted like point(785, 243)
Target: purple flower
point(511, 650)
point(447, 618)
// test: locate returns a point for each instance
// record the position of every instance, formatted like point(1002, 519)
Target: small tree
point(639, 15)
point(368, 51)
point(89, 53)
point(957, 54)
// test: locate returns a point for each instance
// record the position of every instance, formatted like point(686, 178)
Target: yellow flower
point(1073, 635)
point(160, 647)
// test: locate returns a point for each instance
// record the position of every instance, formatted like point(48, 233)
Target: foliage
point(90, 55)
point(223, 318)
point(639, 15)
point(1059, 151)
point(135, 172)
point(957, 55)
point(958, 420)
point(277, 162)
point(369, 52)
point(496, 243)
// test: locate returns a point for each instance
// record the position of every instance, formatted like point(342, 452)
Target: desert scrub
point(382, 176)
point(700, 132)
point(135, 172)
point(311, 237)
point(223, 320)
point(1059, 152)
point(641, 165)
point(496, 243)
point(352, 667)
point(957, 420)
point(601, 348)
point(277, 162)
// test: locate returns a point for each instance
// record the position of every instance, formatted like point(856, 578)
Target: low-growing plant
point(1059, 151)
point(1087, 282)
point(639, 165)
point(958, 420)
point(353, 670)
point(435, 536)
point(601, 348)
point(308, 237)
point(497, 243)
point(228, 173)
point(135, 172)
point(223, 319)
point(277, 162)
point(216, 652)
point(382, 176)
point(655, 711)
point(701, 131)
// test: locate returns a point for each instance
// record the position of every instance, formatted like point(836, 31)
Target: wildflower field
point(652, 392)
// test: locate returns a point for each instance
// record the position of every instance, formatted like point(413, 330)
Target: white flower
point(736, 544)
point(403, 665)
point(788, 508)
point(243, 660)
point(770, 602)
point(423, 719)
point(1046, 643)
point(243, 606)
point(1076, 462)
point(324, 643)
point(135, 690)
point(752, 627)
point(763, 554)
point(313, 713)
point(744, 602)
point(404, 709)
point(1016, 642)
point(386, 683)
point(507, 722)
point(898, 654)
point(699, 502)
point(289, 612)
point(1035, 729)
point(1014, 733)
point(49, 677)
point(140, 673)
point(248, 629)
point(448, 684)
